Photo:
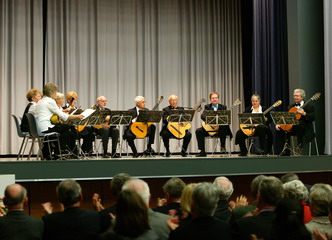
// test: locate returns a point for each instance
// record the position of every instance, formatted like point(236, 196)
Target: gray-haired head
point(295, 190)
point(117, 182)
point(320, 197)
point(289, 177)
point(255, 185)
point(225, 187)
point(14, 195)
point(271, 190)
point(204, 199)
point(140, 187)
point(301, 91)
point(69, 192)
point(174, 187)
point(139, 99)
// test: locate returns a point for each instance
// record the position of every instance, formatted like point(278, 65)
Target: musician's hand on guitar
point(167, 118)
point(67, 110)
point(278, 127)
point(107, 118)
point(301, 111)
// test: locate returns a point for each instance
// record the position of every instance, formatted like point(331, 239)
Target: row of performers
point(51, 103)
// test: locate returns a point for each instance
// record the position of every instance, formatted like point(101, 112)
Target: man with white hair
point(130, 136)
point(304, 130)
point(225, 190)
point(158, 221)
point(16, 224)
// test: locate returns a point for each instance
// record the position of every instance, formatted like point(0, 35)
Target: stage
point(161, 167)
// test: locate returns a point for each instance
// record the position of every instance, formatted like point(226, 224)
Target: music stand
point(285, 118)
point(181, 116)
point(251, 119)
point(217, 118)
point(149, 116)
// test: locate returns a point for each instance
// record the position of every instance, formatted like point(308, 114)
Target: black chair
point(25, 135)
point(42, 138)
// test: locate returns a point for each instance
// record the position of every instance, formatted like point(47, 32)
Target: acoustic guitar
point(140, 129)
point(55, 119)
point(213, 129)
point(249, 129)
point(178, 129)
point(287, 128)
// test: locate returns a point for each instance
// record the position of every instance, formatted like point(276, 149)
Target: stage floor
point(160, 167)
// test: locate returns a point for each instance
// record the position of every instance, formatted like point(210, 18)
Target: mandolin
point(178, 129)
point(140, 129)
point(55, 119)
point(213, 129)
point(249, 129)
point(287, 128)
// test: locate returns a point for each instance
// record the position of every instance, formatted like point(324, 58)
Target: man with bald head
point(16, 224)
point(166, 134)
point(225, 191)
point(106, 132)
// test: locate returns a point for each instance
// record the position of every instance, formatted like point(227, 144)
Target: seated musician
point(304, 131)
point(33, 96)
point(223, 130)
point(262, 131)
point(71, 100)
point(130, 136)
point(45, 109)
point(166, 134)
point(106, 131)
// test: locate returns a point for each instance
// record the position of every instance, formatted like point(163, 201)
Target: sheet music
point(87, 112)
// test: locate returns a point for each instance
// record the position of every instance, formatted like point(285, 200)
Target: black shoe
point(106, 155)
point(168, 154)
point(135, 155)
point(285, 153)
point(201, 154)
point(116, 155)
point(184, 154)
point(243, 154)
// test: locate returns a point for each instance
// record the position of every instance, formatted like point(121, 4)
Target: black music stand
point(251, 119)
point(285, 118)
point(217, 118)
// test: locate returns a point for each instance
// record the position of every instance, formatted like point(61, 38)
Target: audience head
point(34, 95)
point(296, 190)
point(117, 182)
point(288, 222)
point(320, 198)
point(204, 200)
point(50, 90)
point(289, 177)
point(186, 197)
point(270, 191)
point(225, 187)
point(69, 192)
point(131, 214)
point(140, 187)
point(255, 185)
point(15, 196)
point(330, 212)
point(173, 188)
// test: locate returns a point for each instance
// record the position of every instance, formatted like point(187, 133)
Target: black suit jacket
point(16, 225)
point(202, 228)
point(25, 123)
point(165, 209)
point(209, 107)
point(73, 223)
point(222, 212)
point(259, 225)
point(306, 122)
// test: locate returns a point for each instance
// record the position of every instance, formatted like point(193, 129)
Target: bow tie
point(297, 104)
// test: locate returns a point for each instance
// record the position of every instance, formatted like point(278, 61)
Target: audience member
point(296, 190)
point(185, 203)
point(16, 224)
point(203, 226)
point(173, 189)
point(132, 220)
point(225, 187)
point(269, 193)
point(288, 177)
point(158, 221)
point(318, 235)
point(320, 198)
point(74, 222)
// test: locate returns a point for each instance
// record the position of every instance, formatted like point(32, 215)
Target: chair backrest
point(33, 126)
point(18, 127)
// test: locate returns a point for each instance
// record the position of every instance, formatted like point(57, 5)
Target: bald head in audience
point(15, 196)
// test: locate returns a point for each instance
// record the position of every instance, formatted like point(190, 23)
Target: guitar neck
point(306, 103)
point(268, 110)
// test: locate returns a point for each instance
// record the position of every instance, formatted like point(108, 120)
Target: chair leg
point(20, 155)
point(57, 136)
point(31, 148)
point(317, 151)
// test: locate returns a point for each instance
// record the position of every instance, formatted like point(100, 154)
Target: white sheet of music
point(87, 112)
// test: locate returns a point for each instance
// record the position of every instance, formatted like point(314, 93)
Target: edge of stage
point(161, 167)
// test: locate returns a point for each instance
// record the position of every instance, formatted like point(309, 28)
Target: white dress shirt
point(260, 110)
point(45, 108)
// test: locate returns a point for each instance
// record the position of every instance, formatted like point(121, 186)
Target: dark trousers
point(222, 133)
point(264, 135)
point(297, 130)
point(130, 137)
point(166, 135)
point(105, 133)
point(88, 138)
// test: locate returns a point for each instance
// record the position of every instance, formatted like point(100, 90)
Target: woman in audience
point(185, 203)
point(132, 221)
point(288, 223)
point(297, 190)
point(318, 235)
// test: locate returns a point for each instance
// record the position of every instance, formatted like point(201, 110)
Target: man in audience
point(158, 221)
point(203, 226)
point(173, 189)
point(269, 193)
point(225, 189)
point(320, 198)
point(16, 224)
point(73, 222)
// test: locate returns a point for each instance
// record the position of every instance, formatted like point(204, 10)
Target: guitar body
point(178, 129)
point(248, 129)
point(140, 129)
point(211, 129)
point(287, 128)
point(55, 119)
